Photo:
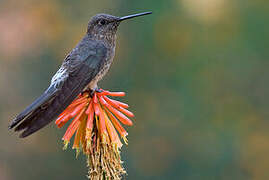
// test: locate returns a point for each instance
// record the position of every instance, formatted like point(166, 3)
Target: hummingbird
point(81, 70)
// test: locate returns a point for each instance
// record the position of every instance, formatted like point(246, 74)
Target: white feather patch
point(59, 77)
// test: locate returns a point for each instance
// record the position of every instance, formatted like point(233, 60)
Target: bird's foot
point(92, 91)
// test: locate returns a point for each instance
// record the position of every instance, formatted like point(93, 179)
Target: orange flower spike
point(102, 146)
point(117, 124)
point(125, 111)
point(118, 114)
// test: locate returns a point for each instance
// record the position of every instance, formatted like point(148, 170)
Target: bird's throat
point(107, 38)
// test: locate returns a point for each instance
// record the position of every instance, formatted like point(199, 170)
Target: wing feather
point(76, 72)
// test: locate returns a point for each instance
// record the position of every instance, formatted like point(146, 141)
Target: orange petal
point(89, 125)
point(118, 114)
point(64, 114)
point(60, 118)
point(63, 120)
point(74, 104)
point(104, 93)
point(117, 124)
point(102, 123)
point(95, 100)
point(112, 132)
point(90, 108)
point(110, 102)
point(96, 109)
point(73, 126)
point(71, 130)
point(70, 114)
point(67, 110)
point(125, 111)
point(79, 133)
point(124, 105)
point(77, 109)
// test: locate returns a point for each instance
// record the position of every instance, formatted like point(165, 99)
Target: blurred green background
point(195, 73)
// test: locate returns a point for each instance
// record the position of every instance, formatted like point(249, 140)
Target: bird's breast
point(103, 69)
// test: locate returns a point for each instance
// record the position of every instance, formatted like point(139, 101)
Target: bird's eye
point(102, 22)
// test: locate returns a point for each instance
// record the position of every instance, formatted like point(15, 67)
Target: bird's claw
point(98, 90)
point(92, 91)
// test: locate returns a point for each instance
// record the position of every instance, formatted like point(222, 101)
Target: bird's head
point(105, 26)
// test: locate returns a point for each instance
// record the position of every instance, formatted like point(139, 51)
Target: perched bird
point(81, 70)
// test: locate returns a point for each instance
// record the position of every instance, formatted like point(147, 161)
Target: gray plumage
point(83, 67)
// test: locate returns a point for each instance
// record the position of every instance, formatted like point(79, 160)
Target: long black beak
point(134, 15)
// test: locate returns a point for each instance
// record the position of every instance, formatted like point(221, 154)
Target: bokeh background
point(195, 73)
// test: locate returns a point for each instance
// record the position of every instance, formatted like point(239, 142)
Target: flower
point(96, 121)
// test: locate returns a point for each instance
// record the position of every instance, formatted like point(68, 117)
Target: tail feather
point(27, 121)
point(42, 117)
point(45, 97)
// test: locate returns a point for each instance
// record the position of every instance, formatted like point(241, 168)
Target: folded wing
point(77, 71)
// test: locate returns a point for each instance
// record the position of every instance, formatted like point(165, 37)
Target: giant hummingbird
point(81, 70)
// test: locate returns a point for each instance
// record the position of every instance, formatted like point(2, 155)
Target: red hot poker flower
point(96, 121)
